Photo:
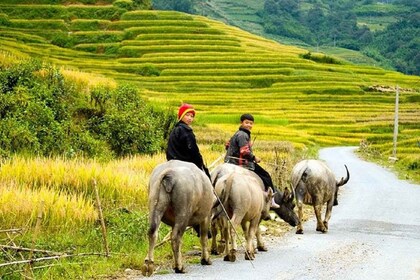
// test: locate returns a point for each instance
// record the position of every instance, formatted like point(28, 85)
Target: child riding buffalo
point(239, 152)
point(182, 144)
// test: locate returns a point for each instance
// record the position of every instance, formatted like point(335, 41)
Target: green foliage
point(261, 82)
point(42, 114)
point(400, 44)
point(124, 4)
point(354, 25)
point(4, 20)
point(149, 70)
point(176, 5)
point(322, 58)
point(129, 125)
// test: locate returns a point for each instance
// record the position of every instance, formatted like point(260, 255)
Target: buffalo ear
point(287, 195)
point(270, 194)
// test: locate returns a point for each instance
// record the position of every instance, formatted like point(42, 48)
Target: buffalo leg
point(176, 240)
point(214, 226)
point(319, 224)
point(260, 243)
point(328, 214)
point(226, 236)
point(249, 235)
point(148, 266)
point(299, 229)
point(205, 258)
point(231, 254)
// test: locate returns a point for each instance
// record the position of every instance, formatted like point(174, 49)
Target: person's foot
point(274, 205)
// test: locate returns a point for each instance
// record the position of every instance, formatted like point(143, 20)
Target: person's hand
point(257, 159)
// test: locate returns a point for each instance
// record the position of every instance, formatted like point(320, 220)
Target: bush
point(320, 58)
point(124, 4)
point(131, 126)
point(41, 113)
point(4, 20)
point(149, 70)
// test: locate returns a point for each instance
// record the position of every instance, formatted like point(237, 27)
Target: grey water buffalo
point(284, 199)
point(246, 204)
point(314, 184)
point(180, 195)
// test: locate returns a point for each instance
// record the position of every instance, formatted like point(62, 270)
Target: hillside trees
point(175, 5)
point(333, 23)
point(400, 43)
point(41, 113)
point(336, 23)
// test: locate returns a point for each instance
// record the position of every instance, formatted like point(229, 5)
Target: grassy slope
point(224, 71)
point(243, 14)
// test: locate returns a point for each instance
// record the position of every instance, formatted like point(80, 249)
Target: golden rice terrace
point(224, 71)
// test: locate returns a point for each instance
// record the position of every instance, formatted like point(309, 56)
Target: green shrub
point(262, 82)
point(41, 113)
point(4, 20)
point(130, 126)
point(124, 4)
point(320, 58)
point(89, 25)
point(97, 37)
point(63, 40)
point(108, 48)
point(149, 70)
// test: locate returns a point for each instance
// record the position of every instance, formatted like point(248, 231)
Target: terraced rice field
point(224, 71)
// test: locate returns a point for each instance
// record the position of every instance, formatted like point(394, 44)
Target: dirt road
point(374, 233)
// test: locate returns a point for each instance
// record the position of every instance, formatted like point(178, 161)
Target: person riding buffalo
point(239, 152)
point(182, 144)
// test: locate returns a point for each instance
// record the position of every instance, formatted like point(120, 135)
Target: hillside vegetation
point(173, 57)
point(301, 101)
point(367, 32)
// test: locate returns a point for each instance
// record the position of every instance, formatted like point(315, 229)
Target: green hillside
point(223, 71)
point(384, 32)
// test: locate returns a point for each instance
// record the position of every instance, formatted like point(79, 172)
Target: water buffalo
point(180, 195)
point(284, 199)
point(315, 184)
point(246, 203)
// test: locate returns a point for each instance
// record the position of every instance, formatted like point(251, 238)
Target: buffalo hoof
point(299, 231)
point(205, 262)
point(262, 248)
point(214, 252)
point(249, 256)
point(179, 270)
point(230, 258)
point(322, 229)
point(148, 268)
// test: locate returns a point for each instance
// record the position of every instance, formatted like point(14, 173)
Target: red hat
point(185, 108)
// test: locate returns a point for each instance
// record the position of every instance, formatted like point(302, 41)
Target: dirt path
point(374, 233)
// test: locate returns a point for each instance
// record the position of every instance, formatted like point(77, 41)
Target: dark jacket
point(182, 145)
point(239, 150)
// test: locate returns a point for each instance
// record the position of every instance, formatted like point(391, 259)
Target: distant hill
point(377, 33)
point(307, 98)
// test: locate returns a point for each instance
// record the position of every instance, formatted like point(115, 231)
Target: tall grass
point(119, 185)
point(20, 206)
